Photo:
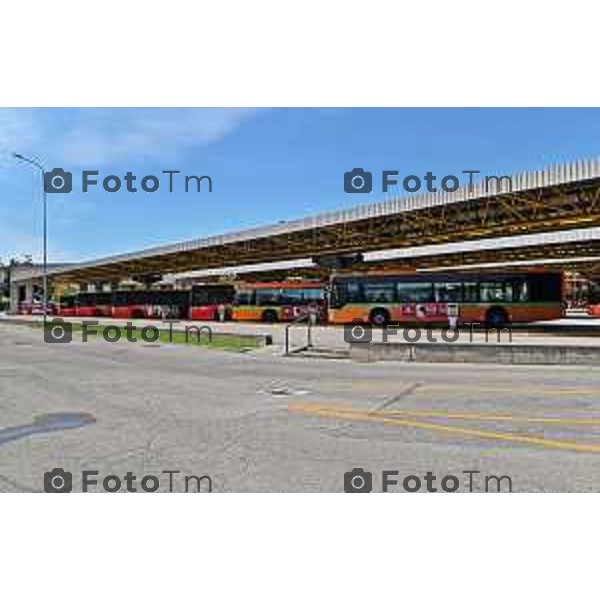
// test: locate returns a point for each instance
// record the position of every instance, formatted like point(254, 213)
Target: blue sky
point(266, 164)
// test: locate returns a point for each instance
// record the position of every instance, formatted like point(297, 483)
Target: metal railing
point(309, 318)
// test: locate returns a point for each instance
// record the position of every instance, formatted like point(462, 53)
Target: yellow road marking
point(462, 388)
point(439, 414)
point(501, 390)
point(358, 415)
point(494, 417)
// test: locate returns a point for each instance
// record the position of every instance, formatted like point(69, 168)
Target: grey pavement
point(259, 422)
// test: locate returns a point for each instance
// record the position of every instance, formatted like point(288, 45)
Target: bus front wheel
point(496, 317)
point(379, 316)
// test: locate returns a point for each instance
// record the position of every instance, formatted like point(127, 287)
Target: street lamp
point(38, 165)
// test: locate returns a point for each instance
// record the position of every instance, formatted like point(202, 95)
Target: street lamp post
point(38, 165)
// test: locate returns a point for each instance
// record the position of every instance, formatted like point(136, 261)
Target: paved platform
point(548, 333)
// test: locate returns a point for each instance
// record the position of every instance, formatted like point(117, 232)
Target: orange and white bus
point(494, 299)
point(274, 302)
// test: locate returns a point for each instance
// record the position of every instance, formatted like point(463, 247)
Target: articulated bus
point(273, 302)
point(151, 304)
point(93, 304)
point(211, 302)
point(203, 302)
point(494, 299)
point(66, 306)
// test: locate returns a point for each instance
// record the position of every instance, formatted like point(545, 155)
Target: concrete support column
point(20, 291)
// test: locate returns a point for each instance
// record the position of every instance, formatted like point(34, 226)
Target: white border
point(298, 546)
point(294, 54)
point(267, 52)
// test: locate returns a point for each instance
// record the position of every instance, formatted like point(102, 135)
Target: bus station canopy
point(555, 200)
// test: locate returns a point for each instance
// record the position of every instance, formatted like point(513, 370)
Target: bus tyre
point(496, 317)
point(269, 316)
point(379, 316)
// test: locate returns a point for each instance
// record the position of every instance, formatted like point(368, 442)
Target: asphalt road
point(259, 422)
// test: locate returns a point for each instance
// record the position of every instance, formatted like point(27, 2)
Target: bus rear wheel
point(379, 316)
point(269, 316)
point(496, 317)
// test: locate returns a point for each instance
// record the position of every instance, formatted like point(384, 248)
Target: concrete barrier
point(515, 354)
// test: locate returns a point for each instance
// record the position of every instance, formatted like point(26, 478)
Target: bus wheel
point(496, 317)
point(379, 316)
point(269, 316)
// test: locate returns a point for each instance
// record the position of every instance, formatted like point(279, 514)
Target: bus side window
point(352, 292)
point(470, 292)
point(268, 296)
point(496, 292)
point(291, 297)
point(312, 295)
point(521, 291)
point(379, 291)
point(244, 298)
point(414, 292)
point(448, 292)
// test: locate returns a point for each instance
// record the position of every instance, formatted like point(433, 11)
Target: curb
point(477, 353)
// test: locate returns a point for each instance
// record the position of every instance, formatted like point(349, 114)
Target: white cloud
point(96, 137)
point(104, 136)
point(99, 136)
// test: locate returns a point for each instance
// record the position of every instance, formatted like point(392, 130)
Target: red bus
point(93, 304)
point(203, 302)
point(271, 302)
point(594, 302)
point(494, 299)
point(150, 304)
point(66, 306)
point(211, 302)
